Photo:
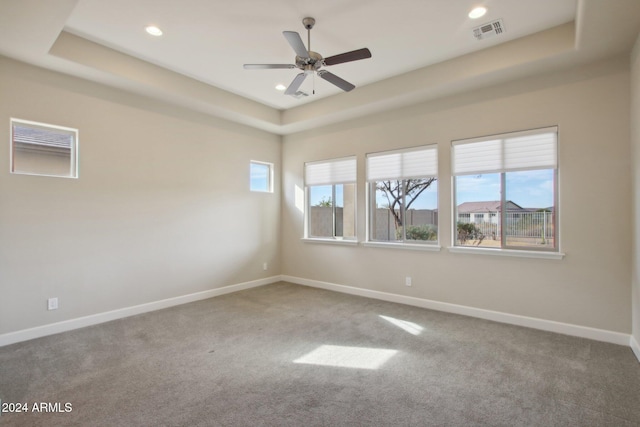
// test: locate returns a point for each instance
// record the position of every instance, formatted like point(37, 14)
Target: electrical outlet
point(52, 304)
point(265, 266)
point(407, 281)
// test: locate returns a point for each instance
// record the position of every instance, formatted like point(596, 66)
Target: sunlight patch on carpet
point(410, 327)
point(347, 357)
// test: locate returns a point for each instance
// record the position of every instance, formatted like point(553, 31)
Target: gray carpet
point(267, 357)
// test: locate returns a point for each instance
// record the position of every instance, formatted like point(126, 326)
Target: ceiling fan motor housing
point(314, 59)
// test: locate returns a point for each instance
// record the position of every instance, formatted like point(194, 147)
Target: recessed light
point(280, 86)
point(153, 30)
point(477, 12)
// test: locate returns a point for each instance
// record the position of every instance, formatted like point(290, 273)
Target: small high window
point(43, 149)
point(261, 176)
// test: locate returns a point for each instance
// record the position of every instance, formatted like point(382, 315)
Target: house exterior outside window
point(505, 191)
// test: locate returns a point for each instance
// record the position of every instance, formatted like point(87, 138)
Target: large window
point(505, 190)
point(42, 149)
point(331, 199)
point(403, 195)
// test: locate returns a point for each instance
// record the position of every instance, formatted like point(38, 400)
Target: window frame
point(371, 188)
point(73, 152)
point(505, 248)
point(270, 176)
point(334, 182)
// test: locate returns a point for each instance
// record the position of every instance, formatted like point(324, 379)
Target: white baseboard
point(635, 347)
point(530, 322)
point(513, 319)
point(94, 319)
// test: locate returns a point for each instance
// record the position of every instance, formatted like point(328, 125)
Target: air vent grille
point(490, 29)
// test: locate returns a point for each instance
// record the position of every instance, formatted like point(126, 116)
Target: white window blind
point(403, 164)
point(35, 138)
point(527, 150)
point(43, 149)
point(329, 172)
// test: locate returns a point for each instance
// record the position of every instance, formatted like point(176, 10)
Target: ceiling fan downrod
point(308, 23)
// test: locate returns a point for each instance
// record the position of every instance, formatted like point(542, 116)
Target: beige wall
point(635, 147)
point(161, 208)
point(589, 287)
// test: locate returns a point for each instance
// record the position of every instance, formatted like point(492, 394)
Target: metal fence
point(518, 224)
point(536, 225)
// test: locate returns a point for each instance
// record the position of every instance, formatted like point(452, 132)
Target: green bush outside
point(419, 232)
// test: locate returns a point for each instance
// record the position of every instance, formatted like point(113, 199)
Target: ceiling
point(211, 43)
point(421, 49)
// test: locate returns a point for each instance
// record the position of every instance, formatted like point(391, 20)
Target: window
point(403, 195)
point(42, 149)
point(261, 176)
point(331, 199)
point(505, 190)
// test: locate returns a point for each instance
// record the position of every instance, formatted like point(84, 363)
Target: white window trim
point(74, 172)
point(331, 241)
point(340, 240)
point(270, 165)
point(432, 247)
point(507, 252)
point(429, 247)
point(327, 239)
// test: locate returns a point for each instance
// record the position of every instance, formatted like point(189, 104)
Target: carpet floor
point(289, 355)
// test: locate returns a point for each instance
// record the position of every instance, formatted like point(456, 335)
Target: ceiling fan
point(309, 61)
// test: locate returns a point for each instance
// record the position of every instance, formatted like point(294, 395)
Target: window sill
point(507, 252)
point(331, 241)
point(409, 246)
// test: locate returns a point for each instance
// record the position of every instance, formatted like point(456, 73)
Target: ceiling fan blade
point(267, 66)
point(295, 84)
point(354, 55)
point(332, 78)
point(296, 43)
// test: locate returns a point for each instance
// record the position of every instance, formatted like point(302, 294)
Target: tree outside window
point(404, 196)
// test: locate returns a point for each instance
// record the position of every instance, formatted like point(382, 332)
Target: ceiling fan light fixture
point(153, 30)
point(280, 87)
point(477, 12)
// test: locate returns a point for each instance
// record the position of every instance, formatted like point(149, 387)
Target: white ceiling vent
point(490, 29)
